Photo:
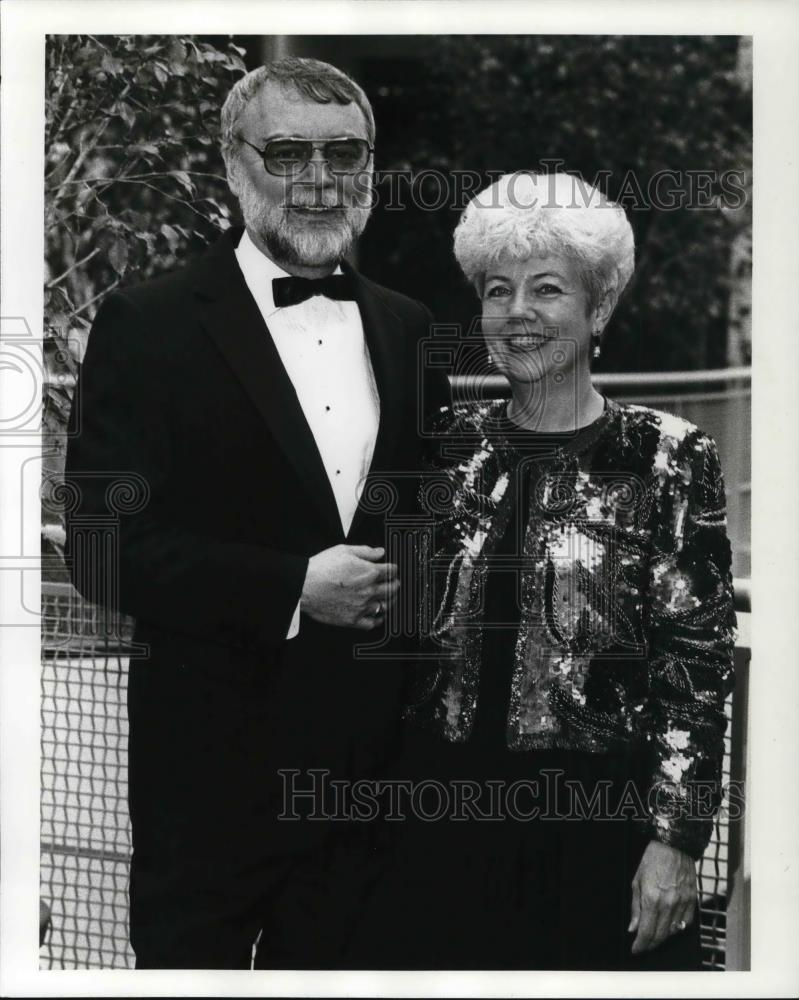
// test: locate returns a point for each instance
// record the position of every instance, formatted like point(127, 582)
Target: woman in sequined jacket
point(581, 612)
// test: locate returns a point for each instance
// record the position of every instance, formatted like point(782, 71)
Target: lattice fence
point(85, 834)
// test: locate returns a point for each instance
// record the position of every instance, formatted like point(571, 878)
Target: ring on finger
point(678, 925)
point(378, 611)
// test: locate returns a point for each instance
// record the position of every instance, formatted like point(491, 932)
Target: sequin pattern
point(627, 628)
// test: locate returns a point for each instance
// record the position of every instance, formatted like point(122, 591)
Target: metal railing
point(723, 875)
point(85, 834)
point(85, 830)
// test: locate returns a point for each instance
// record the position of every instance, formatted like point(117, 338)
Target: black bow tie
point(292, 290)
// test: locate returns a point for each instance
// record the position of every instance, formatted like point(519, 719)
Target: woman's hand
point(664, 896)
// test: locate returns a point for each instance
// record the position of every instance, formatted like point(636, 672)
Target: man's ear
point(232, 174)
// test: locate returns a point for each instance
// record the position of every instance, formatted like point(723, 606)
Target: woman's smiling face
point(533, 309)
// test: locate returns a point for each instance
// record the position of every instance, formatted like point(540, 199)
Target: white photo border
point(774, 695)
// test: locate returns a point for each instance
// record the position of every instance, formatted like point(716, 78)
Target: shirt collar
point(259, 271)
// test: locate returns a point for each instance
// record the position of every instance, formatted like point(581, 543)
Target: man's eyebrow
point(346, 134)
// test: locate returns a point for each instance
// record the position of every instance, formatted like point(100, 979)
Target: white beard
point(290, 243)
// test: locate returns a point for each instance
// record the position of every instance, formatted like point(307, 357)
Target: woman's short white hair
point(527, 214)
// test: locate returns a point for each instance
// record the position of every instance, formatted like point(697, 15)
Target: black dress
point(515, 891)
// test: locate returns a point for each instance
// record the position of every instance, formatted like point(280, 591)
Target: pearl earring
point(596, 344)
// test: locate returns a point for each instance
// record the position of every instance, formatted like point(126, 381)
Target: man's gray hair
point(314, 79)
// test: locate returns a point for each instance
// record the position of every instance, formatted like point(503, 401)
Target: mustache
point(316, 201)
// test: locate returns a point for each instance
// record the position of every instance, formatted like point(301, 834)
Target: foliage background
point(134, 181)
point(631, 106)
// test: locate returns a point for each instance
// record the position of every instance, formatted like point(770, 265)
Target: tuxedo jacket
point(188, 440)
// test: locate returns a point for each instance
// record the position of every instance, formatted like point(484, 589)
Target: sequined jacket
point(627, 626)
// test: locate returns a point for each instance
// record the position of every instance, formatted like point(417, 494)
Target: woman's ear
point(604, 310)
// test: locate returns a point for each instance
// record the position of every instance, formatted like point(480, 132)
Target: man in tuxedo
point(226, 417)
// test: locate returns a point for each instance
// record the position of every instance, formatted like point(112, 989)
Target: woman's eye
point(497, 291)
point(548, 289)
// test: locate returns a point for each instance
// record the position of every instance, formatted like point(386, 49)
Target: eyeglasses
point(284, 157)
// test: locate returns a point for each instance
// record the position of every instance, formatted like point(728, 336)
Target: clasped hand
point(664, 896)
point(348, 585)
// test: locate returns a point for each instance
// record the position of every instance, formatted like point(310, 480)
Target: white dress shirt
point(323, 349)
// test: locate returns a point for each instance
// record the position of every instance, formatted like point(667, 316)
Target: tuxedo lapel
point(383, 332)
point(231, 317)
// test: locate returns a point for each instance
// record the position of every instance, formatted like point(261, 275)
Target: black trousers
point(215, 863)
point(296, 912)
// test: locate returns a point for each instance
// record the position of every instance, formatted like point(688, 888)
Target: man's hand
point(348, 585)
point(664, 896)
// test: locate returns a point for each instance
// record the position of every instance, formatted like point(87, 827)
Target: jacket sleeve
point(435, 389)
point(126, 546)
point(690, 624)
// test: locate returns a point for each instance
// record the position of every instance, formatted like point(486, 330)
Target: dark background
point(134, 180)
point(630, 106)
